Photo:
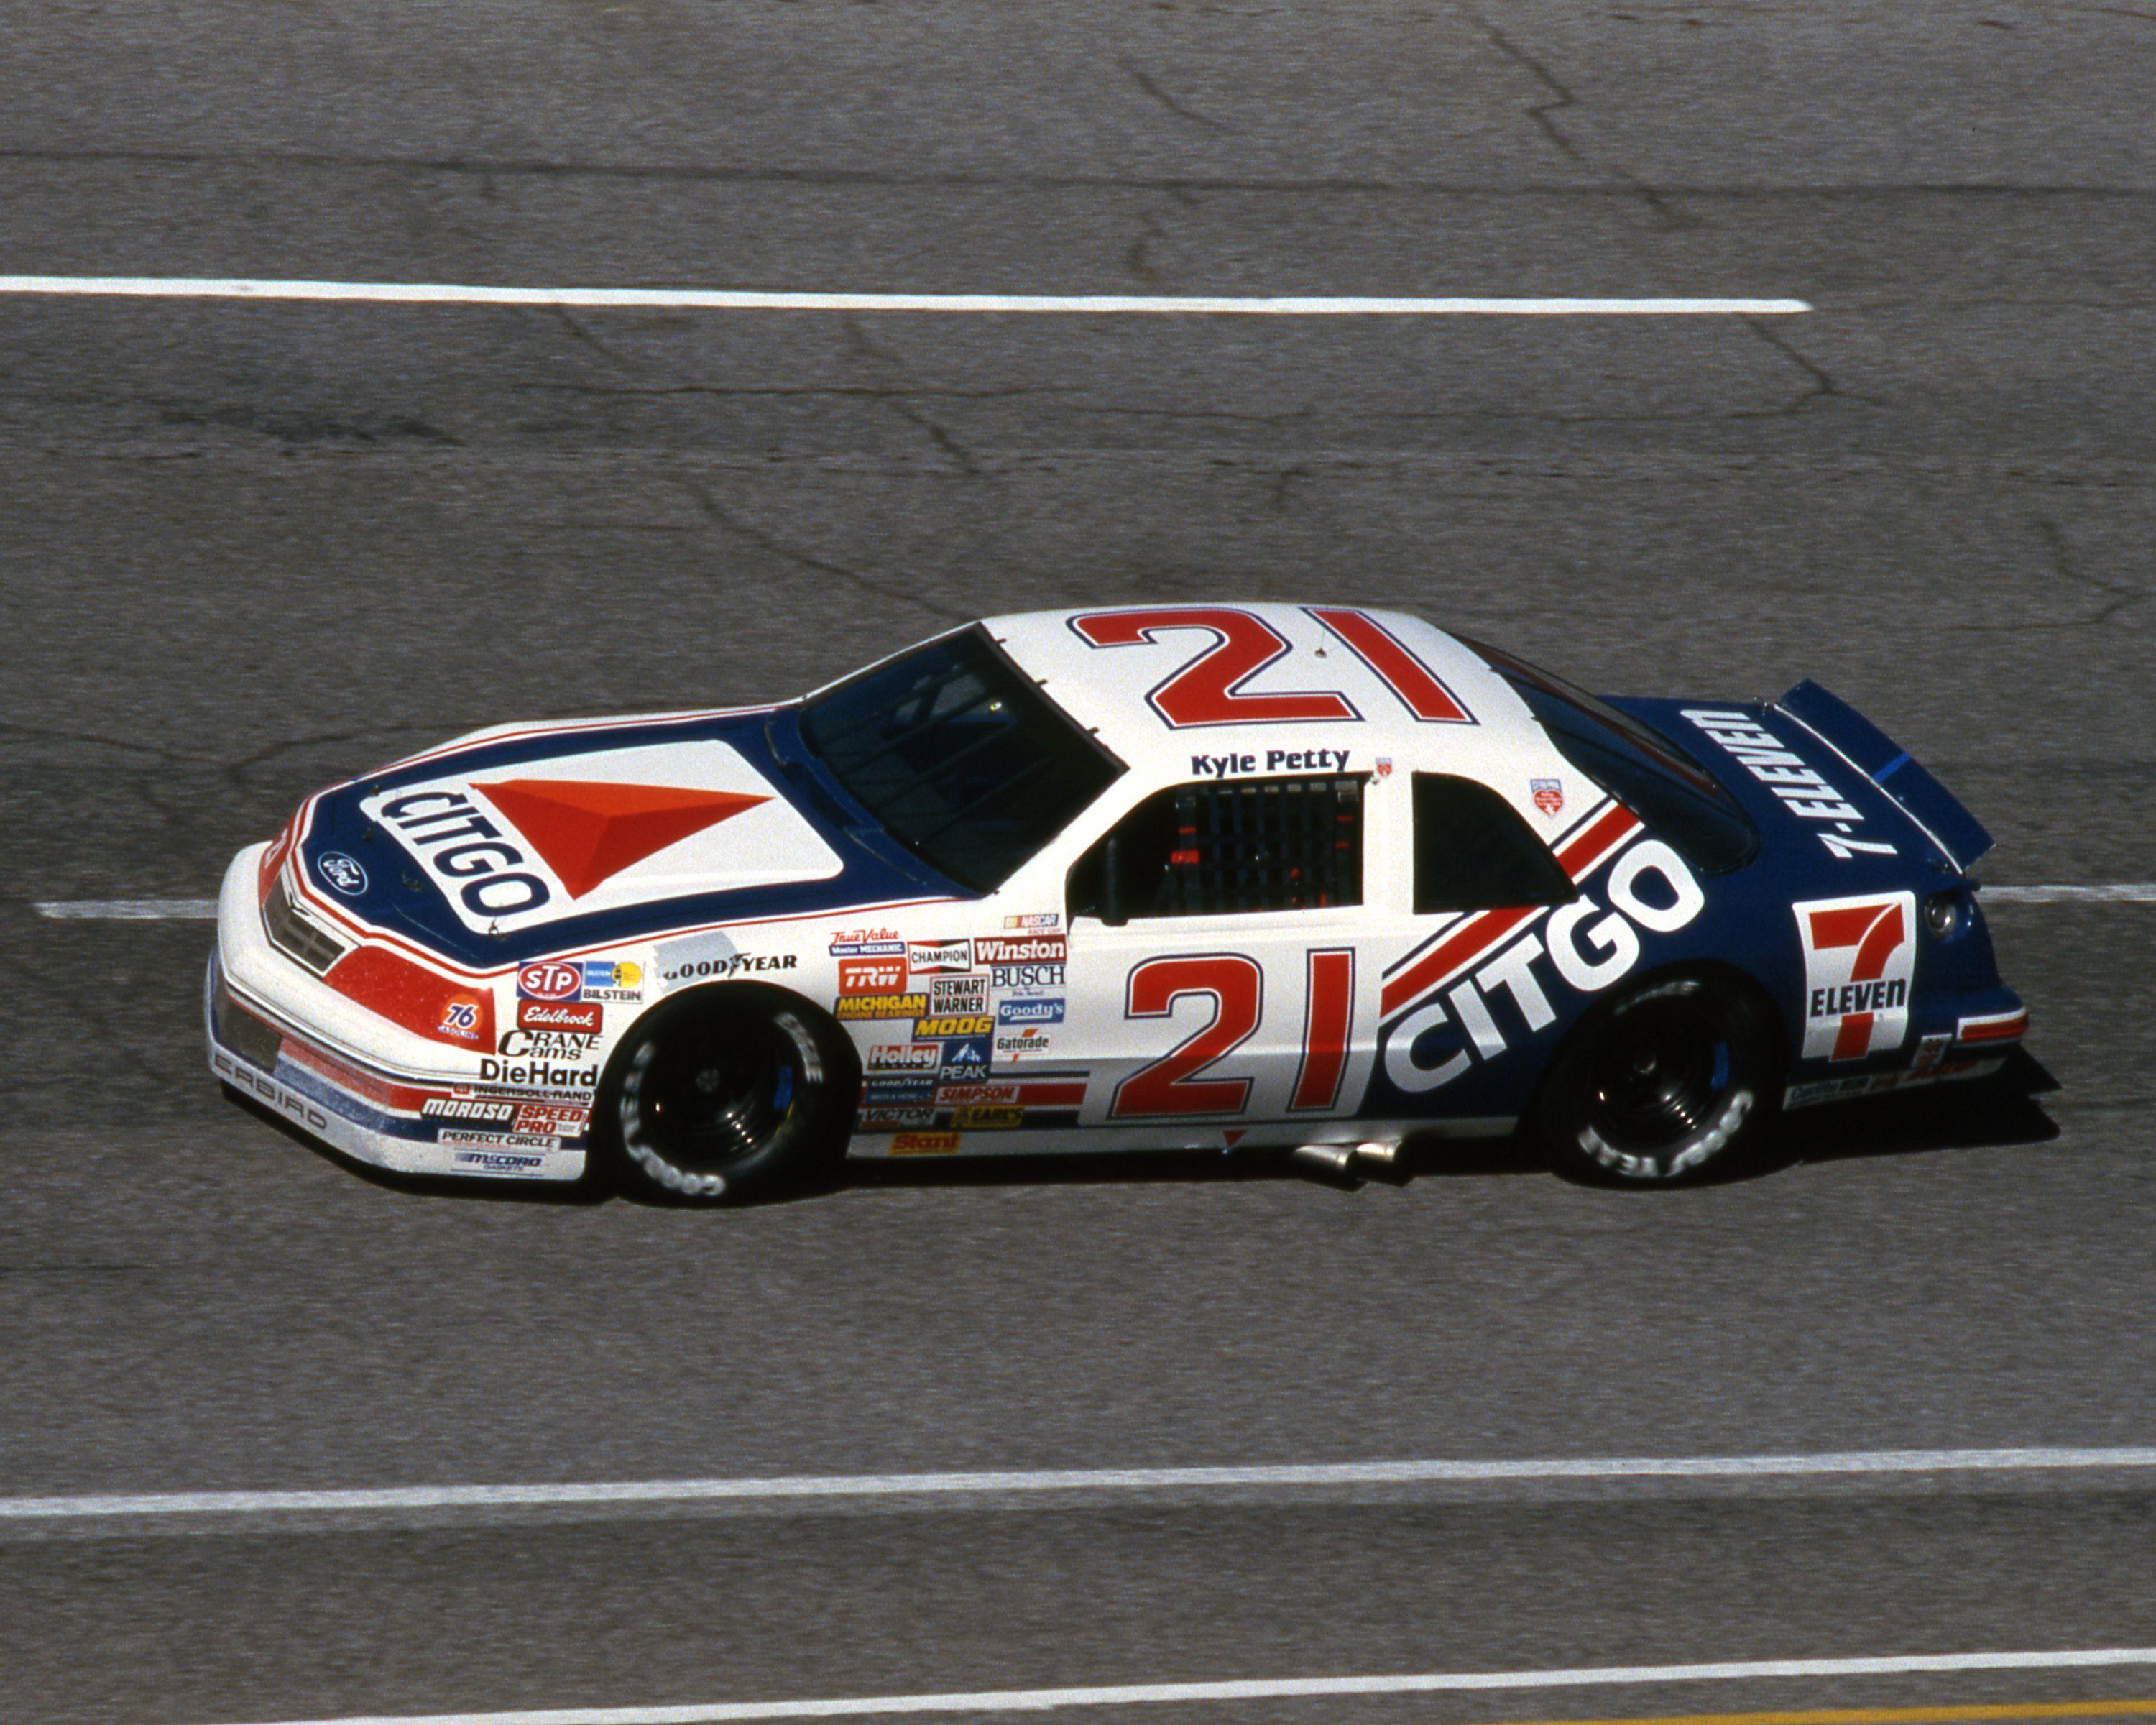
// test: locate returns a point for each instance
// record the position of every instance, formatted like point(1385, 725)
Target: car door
point(1217, 928)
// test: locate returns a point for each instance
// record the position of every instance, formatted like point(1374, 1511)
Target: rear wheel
point(726, 1095)
point(1674, 1078)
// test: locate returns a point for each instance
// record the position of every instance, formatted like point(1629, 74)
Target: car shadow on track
point(1998, 1113)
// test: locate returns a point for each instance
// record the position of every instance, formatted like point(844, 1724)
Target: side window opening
point(1248, 844)
point(1473, 852)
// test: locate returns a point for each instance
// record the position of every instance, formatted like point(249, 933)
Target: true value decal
point(1860, 961)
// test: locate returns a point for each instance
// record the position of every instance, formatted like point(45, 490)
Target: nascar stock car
point(1174, 876)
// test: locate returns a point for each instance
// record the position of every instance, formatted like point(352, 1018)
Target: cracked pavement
point(246, 550)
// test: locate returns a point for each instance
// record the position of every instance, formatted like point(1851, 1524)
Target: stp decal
point(1859, 959)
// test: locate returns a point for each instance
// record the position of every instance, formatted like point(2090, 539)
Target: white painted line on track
point(129, 910)
point(2124, 892)
point(1085, 1481)
point(427, 293)
point(1112, 1695)
point(204, 909)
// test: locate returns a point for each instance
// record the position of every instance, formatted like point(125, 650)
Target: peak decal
point(588, 831)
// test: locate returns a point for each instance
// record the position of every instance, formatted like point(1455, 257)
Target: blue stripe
point(1890, 769)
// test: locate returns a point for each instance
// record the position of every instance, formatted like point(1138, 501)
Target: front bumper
point(391, 1114)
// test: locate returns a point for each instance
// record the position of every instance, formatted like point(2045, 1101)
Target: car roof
point(1125, 693)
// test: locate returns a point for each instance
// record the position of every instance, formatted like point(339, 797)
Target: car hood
point(551, 838)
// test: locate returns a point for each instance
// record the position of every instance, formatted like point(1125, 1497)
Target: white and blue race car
point(1170, 876)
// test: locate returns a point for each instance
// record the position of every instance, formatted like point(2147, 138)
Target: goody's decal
point(1860, 962)
point(596, 830)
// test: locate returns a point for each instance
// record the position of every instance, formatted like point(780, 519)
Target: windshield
point(959, 757)
point(1636, 764)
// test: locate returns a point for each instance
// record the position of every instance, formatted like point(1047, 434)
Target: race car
point(1171, 876)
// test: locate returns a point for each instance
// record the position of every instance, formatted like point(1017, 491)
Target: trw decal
point(1208, 689)
point(1860, 962)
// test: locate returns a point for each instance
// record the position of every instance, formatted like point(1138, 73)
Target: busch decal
point(1860, 961)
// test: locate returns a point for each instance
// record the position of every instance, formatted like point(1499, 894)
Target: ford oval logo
point(342, 872)
point(550, 982)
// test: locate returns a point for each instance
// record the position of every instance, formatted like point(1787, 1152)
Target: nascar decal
point(1860, 960)
point(599, 830)
point(1492, 969)
point(1804, 791)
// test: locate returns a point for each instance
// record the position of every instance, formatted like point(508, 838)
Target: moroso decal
point(1860, 961)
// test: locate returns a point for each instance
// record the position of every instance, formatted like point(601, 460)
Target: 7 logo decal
point(1860, 960)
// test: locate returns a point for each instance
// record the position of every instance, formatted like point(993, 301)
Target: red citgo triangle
point(588, 833)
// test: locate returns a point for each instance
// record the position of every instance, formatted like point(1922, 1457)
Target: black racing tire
point(1673, 1080)
point(724, 1096)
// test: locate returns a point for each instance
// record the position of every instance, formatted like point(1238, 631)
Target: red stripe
point(1463, 946)
point(2004, 1030)
point(359, 1083)
point(1585, 848)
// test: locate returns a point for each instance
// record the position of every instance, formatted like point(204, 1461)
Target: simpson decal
point(1860, 960)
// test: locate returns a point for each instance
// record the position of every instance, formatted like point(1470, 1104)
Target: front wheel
point(725, 1095)
point(1674, 1078)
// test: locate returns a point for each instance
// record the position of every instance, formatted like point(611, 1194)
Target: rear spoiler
point(1867, 748)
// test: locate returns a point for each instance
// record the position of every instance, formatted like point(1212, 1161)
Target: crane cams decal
point(1860, 961)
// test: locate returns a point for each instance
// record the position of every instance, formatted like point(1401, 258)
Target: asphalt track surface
point(245, 549)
